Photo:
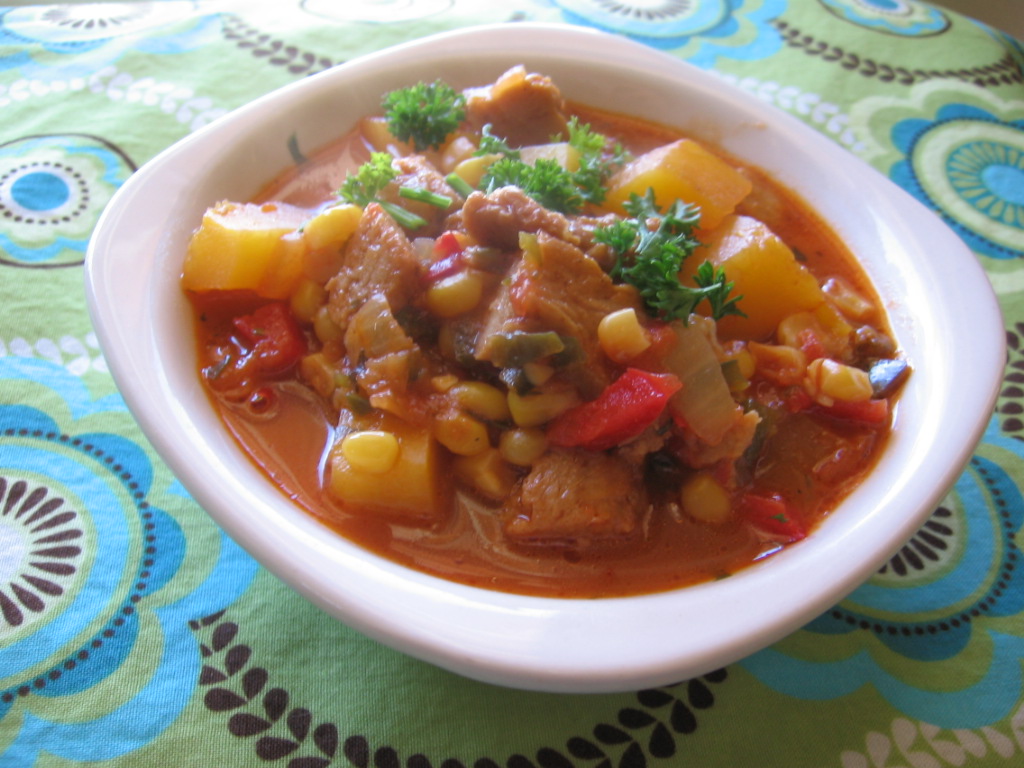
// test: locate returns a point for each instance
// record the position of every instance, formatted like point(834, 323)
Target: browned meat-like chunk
point(522, 108)
point(378, 258)
point(566, 291)
point(582, 232)
point(497, 218)
point(578, 498)
point(695, 453)
point(416, 171)
point(499, 320)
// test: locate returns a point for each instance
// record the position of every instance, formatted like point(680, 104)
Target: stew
point(528, 345)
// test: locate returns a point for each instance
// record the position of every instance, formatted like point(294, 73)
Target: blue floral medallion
point(52, 190)
point(952, 592)
point(96, 34)
point(698, 31)
point(73, 493)
point(968, 165)
point(905, 18)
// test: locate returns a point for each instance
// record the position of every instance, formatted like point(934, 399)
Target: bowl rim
point(515, 640)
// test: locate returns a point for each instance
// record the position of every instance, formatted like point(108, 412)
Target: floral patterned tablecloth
point(134, 633)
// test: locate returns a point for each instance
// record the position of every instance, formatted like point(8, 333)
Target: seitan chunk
point(523, 108)
point(378, 258)
point(696, 453)
point(567, 292)
point(576, 498)
point(416, 172)
point(497, 218)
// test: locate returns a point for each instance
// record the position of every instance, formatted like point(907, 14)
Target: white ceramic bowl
point(941, 307)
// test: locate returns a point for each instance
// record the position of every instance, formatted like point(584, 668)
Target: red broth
point(807, 455)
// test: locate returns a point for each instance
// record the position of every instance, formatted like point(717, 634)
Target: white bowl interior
point(939, 300)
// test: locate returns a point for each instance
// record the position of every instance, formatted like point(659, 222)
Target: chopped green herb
point(459, 184)
point(713, 280)
point(424, 114)
point(546, 181)
point(651, 247)
point(595, 165)
point(491, 144)
point(370, 178)
point(424, 195)
point(364, 187)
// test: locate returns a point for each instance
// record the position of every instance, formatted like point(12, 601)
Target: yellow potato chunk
point(247, 246)
point(683, 170)
point(766, 274)
point(376, 132)
point(411, 490)
point(561, 152)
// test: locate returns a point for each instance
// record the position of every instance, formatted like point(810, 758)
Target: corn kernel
point(703, 498)
point(461, 434)
point(828, 381)
point(325, 328)
point(621, 336)
point(793, 328)
point(540, 408)
point(455, 295)
point(307, 299)
point(487, 472)
point(838, 331)
point(371, 451)
point(783, 365)
point(538, 374)
point(332, 227)
point(522, 446)
point(481, 400)
point(737, 350)
point(444, 382)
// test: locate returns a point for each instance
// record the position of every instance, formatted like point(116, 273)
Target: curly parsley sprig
point(365, 185)
point(650, 249)
point(548, 182)
point(424, 114)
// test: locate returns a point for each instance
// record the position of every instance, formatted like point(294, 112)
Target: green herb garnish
point(650, 249)
point(595, 164)
point(546, 181)
point(459, 184)
point(424, 195)
point(424, 114)
point(364, 187)
point(490, 144)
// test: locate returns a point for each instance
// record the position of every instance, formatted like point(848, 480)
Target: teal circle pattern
point(701, 31)
point(72, 495)
point(967, 577)
point(903, 18)
point(52, 190)
point(978, 186)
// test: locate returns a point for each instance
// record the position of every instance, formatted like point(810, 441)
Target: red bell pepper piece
point(448, 257)
point(626, 408)
point(770, 516)
point(273, 338)
point(444, 267)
